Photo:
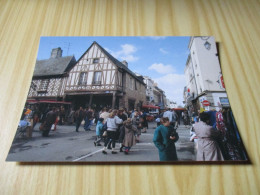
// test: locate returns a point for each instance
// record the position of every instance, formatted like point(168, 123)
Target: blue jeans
point(87, 124)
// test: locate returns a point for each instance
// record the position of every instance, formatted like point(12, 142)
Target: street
point(66, 145)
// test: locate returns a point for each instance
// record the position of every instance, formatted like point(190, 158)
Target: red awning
point(32, 101)
point(179, 109)
point(150, 106)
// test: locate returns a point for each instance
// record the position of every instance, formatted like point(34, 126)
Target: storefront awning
point(54, 102)
point(32, 101)
point(150, 106)
point(47, 101)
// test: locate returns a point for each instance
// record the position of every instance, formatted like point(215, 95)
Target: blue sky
point(161, 58)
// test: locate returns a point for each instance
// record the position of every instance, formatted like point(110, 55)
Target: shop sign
point(221, 81)
point(224, 101)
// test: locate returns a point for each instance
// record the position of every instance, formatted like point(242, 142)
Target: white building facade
point(203, 74)
point(154, 95)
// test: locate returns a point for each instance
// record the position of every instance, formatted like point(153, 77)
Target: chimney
point(56, 53)
point(125, 63)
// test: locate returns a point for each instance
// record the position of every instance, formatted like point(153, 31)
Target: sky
point(163, 59)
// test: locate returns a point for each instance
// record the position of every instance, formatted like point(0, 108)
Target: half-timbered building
point(48, 82)
point(100, 80)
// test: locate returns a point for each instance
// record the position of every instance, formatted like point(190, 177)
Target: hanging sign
point(221, 82)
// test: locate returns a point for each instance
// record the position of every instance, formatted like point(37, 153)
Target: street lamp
point(207, 45)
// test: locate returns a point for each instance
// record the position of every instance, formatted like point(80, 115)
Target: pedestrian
point(99, 132)
point(104, 114)
point(36, 116)
point(174, 120)
point(208, 148)
point(125, 112)
point(164, 139)
point(49, 121)
point(61, 115)
point(71, 117)
point(185, 118)
point(88, 119)
point(54, 126)
point(112, 124)
point(79, 115)
point(168, 114)
point(137, 122)
point(129, 139)
point(144, 122)
point(121, 133)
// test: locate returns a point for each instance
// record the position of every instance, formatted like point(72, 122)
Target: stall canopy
point(151, 106)
point(47, 101)
point(179, 109)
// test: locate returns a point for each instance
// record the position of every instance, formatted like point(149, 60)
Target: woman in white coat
point(208, 148)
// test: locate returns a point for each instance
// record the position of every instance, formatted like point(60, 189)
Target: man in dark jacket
point(49, 121)
point(79, 115)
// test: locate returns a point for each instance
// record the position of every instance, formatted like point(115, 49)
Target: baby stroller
point(22, 127)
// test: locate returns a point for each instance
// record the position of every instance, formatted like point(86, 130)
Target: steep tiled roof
point(53, 66)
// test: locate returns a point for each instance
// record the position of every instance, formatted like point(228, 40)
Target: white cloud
point(161, 68)
point(173, 85)
point(128, 49)
point(163, 51)
point(126, 53)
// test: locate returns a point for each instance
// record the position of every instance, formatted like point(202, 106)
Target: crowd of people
point(216, 136)
point(125, 127)
point(114, 125)
point(50, 118)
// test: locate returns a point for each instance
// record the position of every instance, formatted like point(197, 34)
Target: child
point(99, 132)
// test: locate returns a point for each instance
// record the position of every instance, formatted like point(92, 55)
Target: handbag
point(105, 133)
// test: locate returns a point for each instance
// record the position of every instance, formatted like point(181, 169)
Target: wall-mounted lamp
point(207, 45)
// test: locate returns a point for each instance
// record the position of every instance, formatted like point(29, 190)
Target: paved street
point(65, 144)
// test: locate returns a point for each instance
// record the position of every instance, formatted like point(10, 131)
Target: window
point(135, 86)
point(44, 85)
point(83, 78)
point(131, 83)
point(97, 78)
point(95, 60)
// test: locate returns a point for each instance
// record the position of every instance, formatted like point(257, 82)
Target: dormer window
point(95, 60)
